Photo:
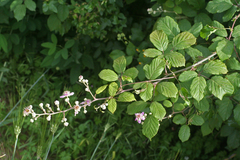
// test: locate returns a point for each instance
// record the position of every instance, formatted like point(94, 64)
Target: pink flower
point(87, 102)
point(140, 117)
point(67, 94)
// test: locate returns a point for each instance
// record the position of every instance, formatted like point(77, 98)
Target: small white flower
point(103, 106)
point(33, 114)
point(137, 91)
point(56, 102)
point(67, 99)
point(64, 120)
point(49, 117)
point(85, 111)
point(170, 116)
point(31, 120)
point(77, 102)
point(80, 78)
point(41, 105)
point(47, 105)
point(58, 109)
point(66, 124)
point(87, 89)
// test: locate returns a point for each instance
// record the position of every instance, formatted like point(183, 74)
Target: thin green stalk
point(49, 147)
point(15, 146)
point(23, 97)
point(103, 135)
point(112, 145)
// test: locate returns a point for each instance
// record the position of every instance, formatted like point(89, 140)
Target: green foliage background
point(185, 53)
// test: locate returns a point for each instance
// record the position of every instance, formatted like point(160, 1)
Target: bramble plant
point(162, 77)
point(187, 99)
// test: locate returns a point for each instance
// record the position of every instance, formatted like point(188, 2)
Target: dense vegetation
point(159, 79)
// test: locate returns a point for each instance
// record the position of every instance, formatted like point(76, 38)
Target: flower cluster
point(49, 111)
point(102, 107)
point(158, 10)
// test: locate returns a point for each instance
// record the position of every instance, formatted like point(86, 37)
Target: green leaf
point(205, 129)
point(194, 53)
point(202, 105)
point(119, 64)
point(183, 40)
point(136, 107)
point(52, 7)
point(131, 49)
point(3, 43)
point(177, 9)
point(179, 119)
point(150, 127)
point(53, 22)
point(112, 89)
point(112, 105)
point(168, 89)
point(131, 72)
point(234, 78)
point(236, 113)
point(108, 75)
point(126, 97)
point(232, 140)
point(168, 25)
point(196, 120)
point(221, 31)
point(207, 31)
point(236, 31)
point(148, 91)
point(218, 6)
point(187, 76)
point(197, 88)
point(101, 89)
point(229, 13)
point(226, 130)
point(155, 69)
point(87, 60)
point(184, 133)
point(203, 18)
point(157, 110)
point(225, 107)
point(54, 39)
point(215, 67)
point(63, 12)
point(61, 52)
point(116, 53)
point(64, 53)
point(184, 25)
point(219, 86)
point(178, 106)
point(20, 12)
point(225, 49)
point(188, 10)
point(159, 39)
point(69, 43)
point(175, 59)
point(196, 28)
point(233, 64)
point(167, 103)
point(30, 4)
point(14, 38)
point(152, 52)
